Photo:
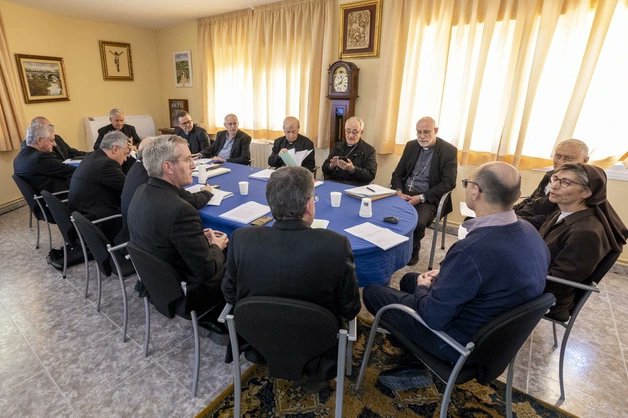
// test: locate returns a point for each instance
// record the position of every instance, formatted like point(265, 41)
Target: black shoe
point(216, 327)
point(312, 386)
point(405, 377)
point(413, 260)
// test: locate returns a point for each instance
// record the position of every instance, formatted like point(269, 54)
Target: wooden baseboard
point(12, 205)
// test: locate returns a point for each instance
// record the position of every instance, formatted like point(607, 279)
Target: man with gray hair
point(352, 160)
point(502, 263)
point(292, 260)
point(38, 165)
point(97, 183)
point(116, 117)
point(61, 149)
point(537, 207)
point(162, 222)
point(292, 139)
point(232, 144)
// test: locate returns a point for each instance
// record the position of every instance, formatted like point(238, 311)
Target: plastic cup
point(335, 199)
point(244, 187)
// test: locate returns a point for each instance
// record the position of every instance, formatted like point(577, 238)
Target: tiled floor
point(59, 357)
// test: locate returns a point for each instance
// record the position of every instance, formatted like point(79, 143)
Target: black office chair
point(165, 289)
point(107, 260)
point(441, 213)
point(287, 333)
point(493, 348)
point(583, 291)
point(33, 200)
point(61, 216)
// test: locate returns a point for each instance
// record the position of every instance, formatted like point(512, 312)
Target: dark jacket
point(42, 170)
point(537, 207)
point(128, 130)
point(240, 151)
point(443, 170)
point(198, 140)
point(300, 144)
point(63, 151)
point(362, 155)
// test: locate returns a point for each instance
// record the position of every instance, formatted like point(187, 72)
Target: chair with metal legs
point(61, 216)
point(436, 225)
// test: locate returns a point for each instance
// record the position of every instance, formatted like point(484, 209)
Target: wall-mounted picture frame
point(182, 69)
point(175, 105)
point(116, 60)
point(360, 25)
point(43, 78)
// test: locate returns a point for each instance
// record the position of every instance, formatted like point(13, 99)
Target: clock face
point(341, 80)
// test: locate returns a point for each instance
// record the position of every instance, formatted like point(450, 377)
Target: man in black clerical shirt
point(197, 137)
point(426, 171)
point(292, 139)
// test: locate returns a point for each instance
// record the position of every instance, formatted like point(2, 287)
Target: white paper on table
point(384, 238)
point(218, 195)
point(318, 183)
point(462, 232)
point(70, 161)
point(371, 190)
point(206, 166)
point(262, 175)
point(202, 161)
point(465, 211)
point(214, 172)
point(293, 158)
point(195, 188)
point(246, 212)
point(320, 224)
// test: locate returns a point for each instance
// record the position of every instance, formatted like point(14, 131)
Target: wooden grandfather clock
point(342, 91)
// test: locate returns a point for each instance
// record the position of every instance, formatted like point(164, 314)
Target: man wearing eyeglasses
point(162, 222)
point(351, 161)
point(502, 263)
point(97, 183)
point(61, 149)
point(426, 171)
point(232, 144)
point(292, 139)
point(537, 207)
point(197, 137)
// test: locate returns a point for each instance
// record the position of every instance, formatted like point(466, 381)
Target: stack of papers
point(246, 212)
point(373, 191)
point(293, 158)
point(262, 175)
point(213, 172)
point(217, 197)
point(384, 238)
point(319, 224)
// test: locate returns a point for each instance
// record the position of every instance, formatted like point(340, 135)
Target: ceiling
point(152, 14)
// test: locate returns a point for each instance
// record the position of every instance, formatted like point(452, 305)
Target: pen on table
point(371, 189)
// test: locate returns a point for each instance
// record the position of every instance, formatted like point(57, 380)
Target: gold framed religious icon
point(116, 60)
point(360, 25)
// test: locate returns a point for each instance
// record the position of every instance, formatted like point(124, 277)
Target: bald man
point(537, 207)
point(292, 139)
point(500, 264)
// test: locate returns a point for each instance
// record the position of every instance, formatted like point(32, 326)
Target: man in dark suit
point(426, 171)
point(163, 223)
point(97, 183)
point(292, 139)
point(38, 165)
point(537, 207)
point(116, 117)
point(292, 260)
point(61, 149)
point(197, 137)
point(232, 144)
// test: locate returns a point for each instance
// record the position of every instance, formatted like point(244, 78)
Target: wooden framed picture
point(182, 69)
point(116, 60)
point(360, 25)
point(175, 105)
point(43, 78)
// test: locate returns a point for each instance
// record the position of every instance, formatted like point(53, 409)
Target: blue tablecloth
point(373, 265)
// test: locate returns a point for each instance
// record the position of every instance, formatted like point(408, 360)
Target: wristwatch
point(422, 198)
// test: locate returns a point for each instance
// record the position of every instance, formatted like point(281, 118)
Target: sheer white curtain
point(11, 122)
point(509, 79)
point(267, 63)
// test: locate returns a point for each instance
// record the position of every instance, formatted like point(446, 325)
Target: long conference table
point(373, 265)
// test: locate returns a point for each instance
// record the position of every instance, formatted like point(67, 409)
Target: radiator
point(260, 150)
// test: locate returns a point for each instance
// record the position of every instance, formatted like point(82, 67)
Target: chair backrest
point(498, 341)
point(29, 196)
point(444, 207)
point(95, 240)
point(598, 274)
point(286, 332)
point(161, 280)
point(60, 214)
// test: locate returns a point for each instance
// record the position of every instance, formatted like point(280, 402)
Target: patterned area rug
point(264, 396)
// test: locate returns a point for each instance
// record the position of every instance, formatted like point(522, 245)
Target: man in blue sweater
point(500, 264)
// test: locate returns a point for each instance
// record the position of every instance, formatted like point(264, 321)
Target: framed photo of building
point(43, 78)
point(360, 25)
point(174, 106)
point(116, 61)
point(182, 69)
